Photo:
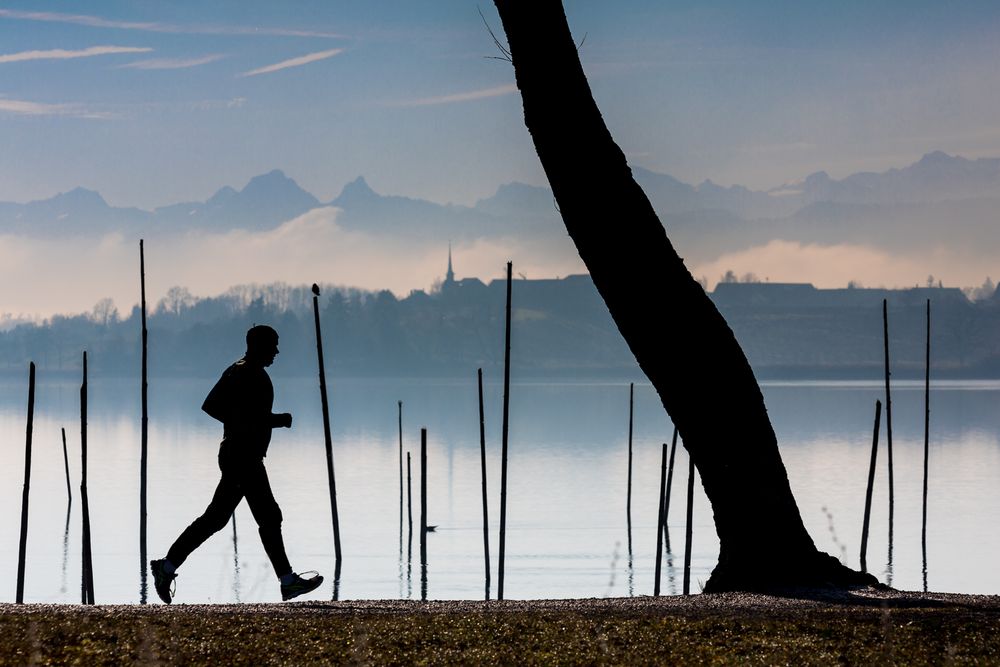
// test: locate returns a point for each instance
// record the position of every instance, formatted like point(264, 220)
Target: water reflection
point(143, 582)
point(614, 571)
point(924, 568)
point(564, 500)
point(888, 564)
point(631, 566)
point(65, 550)
point(236, 562)
point(336, 579)
point(409, 580)
point(671, 570)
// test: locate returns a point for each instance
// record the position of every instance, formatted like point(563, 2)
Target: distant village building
point(550, 291)
point(805, 295)
point(449, 277)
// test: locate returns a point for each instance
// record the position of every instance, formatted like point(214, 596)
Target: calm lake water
point(566, 500)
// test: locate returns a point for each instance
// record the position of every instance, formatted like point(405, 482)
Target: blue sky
point(154, 103)
point(179, 101)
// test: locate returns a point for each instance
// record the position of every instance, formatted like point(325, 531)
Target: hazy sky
point(151, 103)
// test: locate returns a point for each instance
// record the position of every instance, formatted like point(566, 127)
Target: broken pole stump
point(666, 495)
point(659, 521)
point(868, 491)
point(69, 489)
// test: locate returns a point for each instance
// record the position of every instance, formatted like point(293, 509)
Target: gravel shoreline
point(869, 626)
point(869, 598)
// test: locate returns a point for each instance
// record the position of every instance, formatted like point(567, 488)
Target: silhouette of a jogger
point(242, 400)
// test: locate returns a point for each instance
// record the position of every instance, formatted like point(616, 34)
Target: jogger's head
point(262, 344)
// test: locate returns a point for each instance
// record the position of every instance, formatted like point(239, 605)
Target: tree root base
point(816, 570)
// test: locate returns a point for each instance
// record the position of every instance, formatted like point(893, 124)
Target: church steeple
point(449, 277)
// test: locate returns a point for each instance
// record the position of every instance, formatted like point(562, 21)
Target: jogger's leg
point(257, 490)
point(228, 495)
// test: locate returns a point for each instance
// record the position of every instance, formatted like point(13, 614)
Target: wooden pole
point(888, 413)
point(399, 405)
point(23, 545)
point(927, 427)
point(69, 490)
point(868, 492)
point(688, 529)
point(326, 425)
point(659, 520)
point(503, 449)
point(628, 494)
point(88, 561)
point(144, 438)
point(482, 459)
point(423, 496)
point(666, 495)
point(409, 510)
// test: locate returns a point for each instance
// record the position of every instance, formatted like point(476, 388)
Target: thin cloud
point(294, 62)
point(469, 96)
point(153, 26)
point(171, 63)
point(66, 54)
point(27, 108)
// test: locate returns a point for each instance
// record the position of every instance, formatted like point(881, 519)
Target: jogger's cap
point(260, 335)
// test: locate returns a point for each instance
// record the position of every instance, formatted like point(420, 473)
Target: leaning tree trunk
point(694, 362)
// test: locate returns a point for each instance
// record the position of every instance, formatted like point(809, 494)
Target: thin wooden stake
point(503, 449)
point(69, 490)
point(326, 425)
point(659, 520)
point(423, 496)
point(628, 494)
point(888, 414)
point(423, 514)
point(482, 458)
point(144, 438)
point(927, 431)
point(688, 529)
point(409, 510)
point(666, 496)
point(399, 404)
point(87, 583)
point(23, 545)
point(868, 491)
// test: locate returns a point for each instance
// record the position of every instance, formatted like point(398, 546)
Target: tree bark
point(694, 361)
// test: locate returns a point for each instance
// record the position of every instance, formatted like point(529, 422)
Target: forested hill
point(561, 328)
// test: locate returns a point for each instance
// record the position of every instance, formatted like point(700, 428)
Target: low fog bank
point(43, 277)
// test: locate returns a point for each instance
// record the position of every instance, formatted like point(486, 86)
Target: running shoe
point(301, 585)
point(162, 582)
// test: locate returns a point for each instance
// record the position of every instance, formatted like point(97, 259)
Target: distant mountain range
point(936, 199)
